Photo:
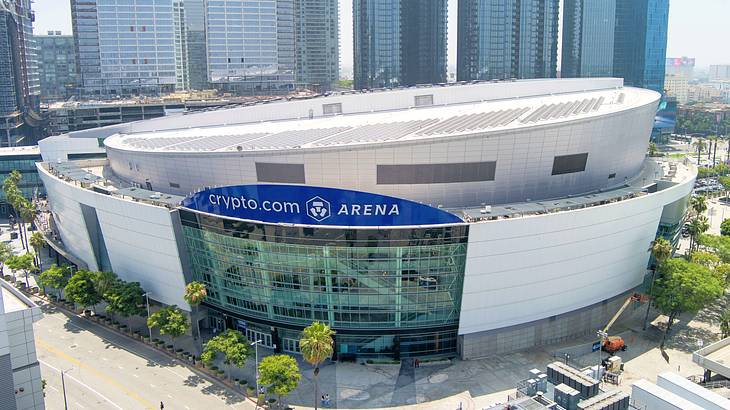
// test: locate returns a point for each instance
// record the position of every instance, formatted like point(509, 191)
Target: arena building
point(467, 219)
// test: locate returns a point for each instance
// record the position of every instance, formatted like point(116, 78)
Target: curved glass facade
point(386, 292)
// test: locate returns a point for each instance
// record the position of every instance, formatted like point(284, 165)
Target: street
point(103, 370)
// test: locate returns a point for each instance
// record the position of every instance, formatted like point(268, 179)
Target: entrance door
point(217, 324)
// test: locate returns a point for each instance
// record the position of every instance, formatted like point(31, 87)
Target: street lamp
point(147, 297)
point(256, 347)
point(63, 387)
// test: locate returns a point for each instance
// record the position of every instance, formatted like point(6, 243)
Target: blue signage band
point(308, 205)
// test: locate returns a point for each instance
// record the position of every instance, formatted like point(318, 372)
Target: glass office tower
point(640, 44)
point(387, 292)
point(197, 66)
point(588, 35)
point(317, 43)
point(499, 39)
point(399, 42)
point(125, 47)
point(57, 66)
point(250, 45)
point(19, 80)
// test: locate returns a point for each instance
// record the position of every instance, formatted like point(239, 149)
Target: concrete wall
point(139, 238)
point(523, 276)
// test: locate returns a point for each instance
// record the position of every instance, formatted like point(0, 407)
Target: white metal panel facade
point(139, 238)
point(531, 268)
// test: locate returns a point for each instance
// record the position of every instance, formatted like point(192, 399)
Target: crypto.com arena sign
point(297, 204)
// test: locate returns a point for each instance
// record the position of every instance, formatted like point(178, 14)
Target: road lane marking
point(135, 375)
point(80, 383)
point(45, 346)
point(79, 404)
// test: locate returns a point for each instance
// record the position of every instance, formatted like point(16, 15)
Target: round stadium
point(456, 220)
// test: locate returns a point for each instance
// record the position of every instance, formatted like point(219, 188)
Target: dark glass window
point(568, 164)
point(436, 173)
point(280, 173)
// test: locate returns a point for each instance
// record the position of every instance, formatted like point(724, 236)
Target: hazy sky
point(697, 28)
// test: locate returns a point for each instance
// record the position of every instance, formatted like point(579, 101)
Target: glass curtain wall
point(387, 292)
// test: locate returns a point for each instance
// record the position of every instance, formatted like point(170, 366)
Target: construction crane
point(613, 344)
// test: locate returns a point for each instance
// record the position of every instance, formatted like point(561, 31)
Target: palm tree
point(697, 226)
point(37, 241)
point(699, 204)
point(700, 145)
point(316, 345)
point(661, 250)
point(195, 293)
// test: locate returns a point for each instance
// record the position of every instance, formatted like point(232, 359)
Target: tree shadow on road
point(214, 389)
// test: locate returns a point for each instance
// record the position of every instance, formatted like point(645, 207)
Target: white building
point(720, 72)
point(677, 86)
point(429, 221)
point(20, 373)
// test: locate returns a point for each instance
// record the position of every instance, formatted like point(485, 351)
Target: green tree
point(36, 242)
point(685, 287)
point(725, 227)
point(280, 373)
point(725, 324)
point(700, 145)
point(661, 250)
point(80, 289)
point(104, 282)
point(719, 245)
point(22, 263)
point(699, 204)
point(6, 251)
point(195, 293)
point(170, 321)
point(696, 227)
point(231, 345)
point(707, 259)
point(125, 298)
point(14, 197)
point(316, 345)
point(55, 277)
point(725, 182)
point(652, 149)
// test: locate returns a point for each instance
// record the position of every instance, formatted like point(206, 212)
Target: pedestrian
point(418, 363)
point(162, 405)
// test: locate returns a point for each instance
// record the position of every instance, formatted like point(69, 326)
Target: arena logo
point(325, 206)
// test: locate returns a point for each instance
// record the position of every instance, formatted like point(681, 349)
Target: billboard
point(307, 205)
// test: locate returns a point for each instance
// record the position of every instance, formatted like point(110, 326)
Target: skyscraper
point(317, 42)
point(640, 43)
point(251, 45)
point(499, 39)
point(620, 38)
point(19, 81)
point(399, 42)
point(182, 82)
point(588, 33)
point(57, 66)
point(197, 65)
point(125, 47)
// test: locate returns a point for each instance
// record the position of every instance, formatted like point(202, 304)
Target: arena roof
point(394, 125)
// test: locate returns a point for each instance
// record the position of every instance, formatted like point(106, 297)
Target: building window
point(174, 185)
point(423, 100)
point(568, 164)
point(291, 345)
point(280, 173)
point(436, 173)
point(612, 175)
point(332, 109)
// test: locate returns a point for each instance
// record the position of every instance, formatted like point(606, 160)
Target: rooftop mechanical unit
point(611, 400)
point(559, 373)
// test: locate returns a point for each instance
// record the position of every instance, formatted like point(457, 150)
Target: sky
point(697, 28)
